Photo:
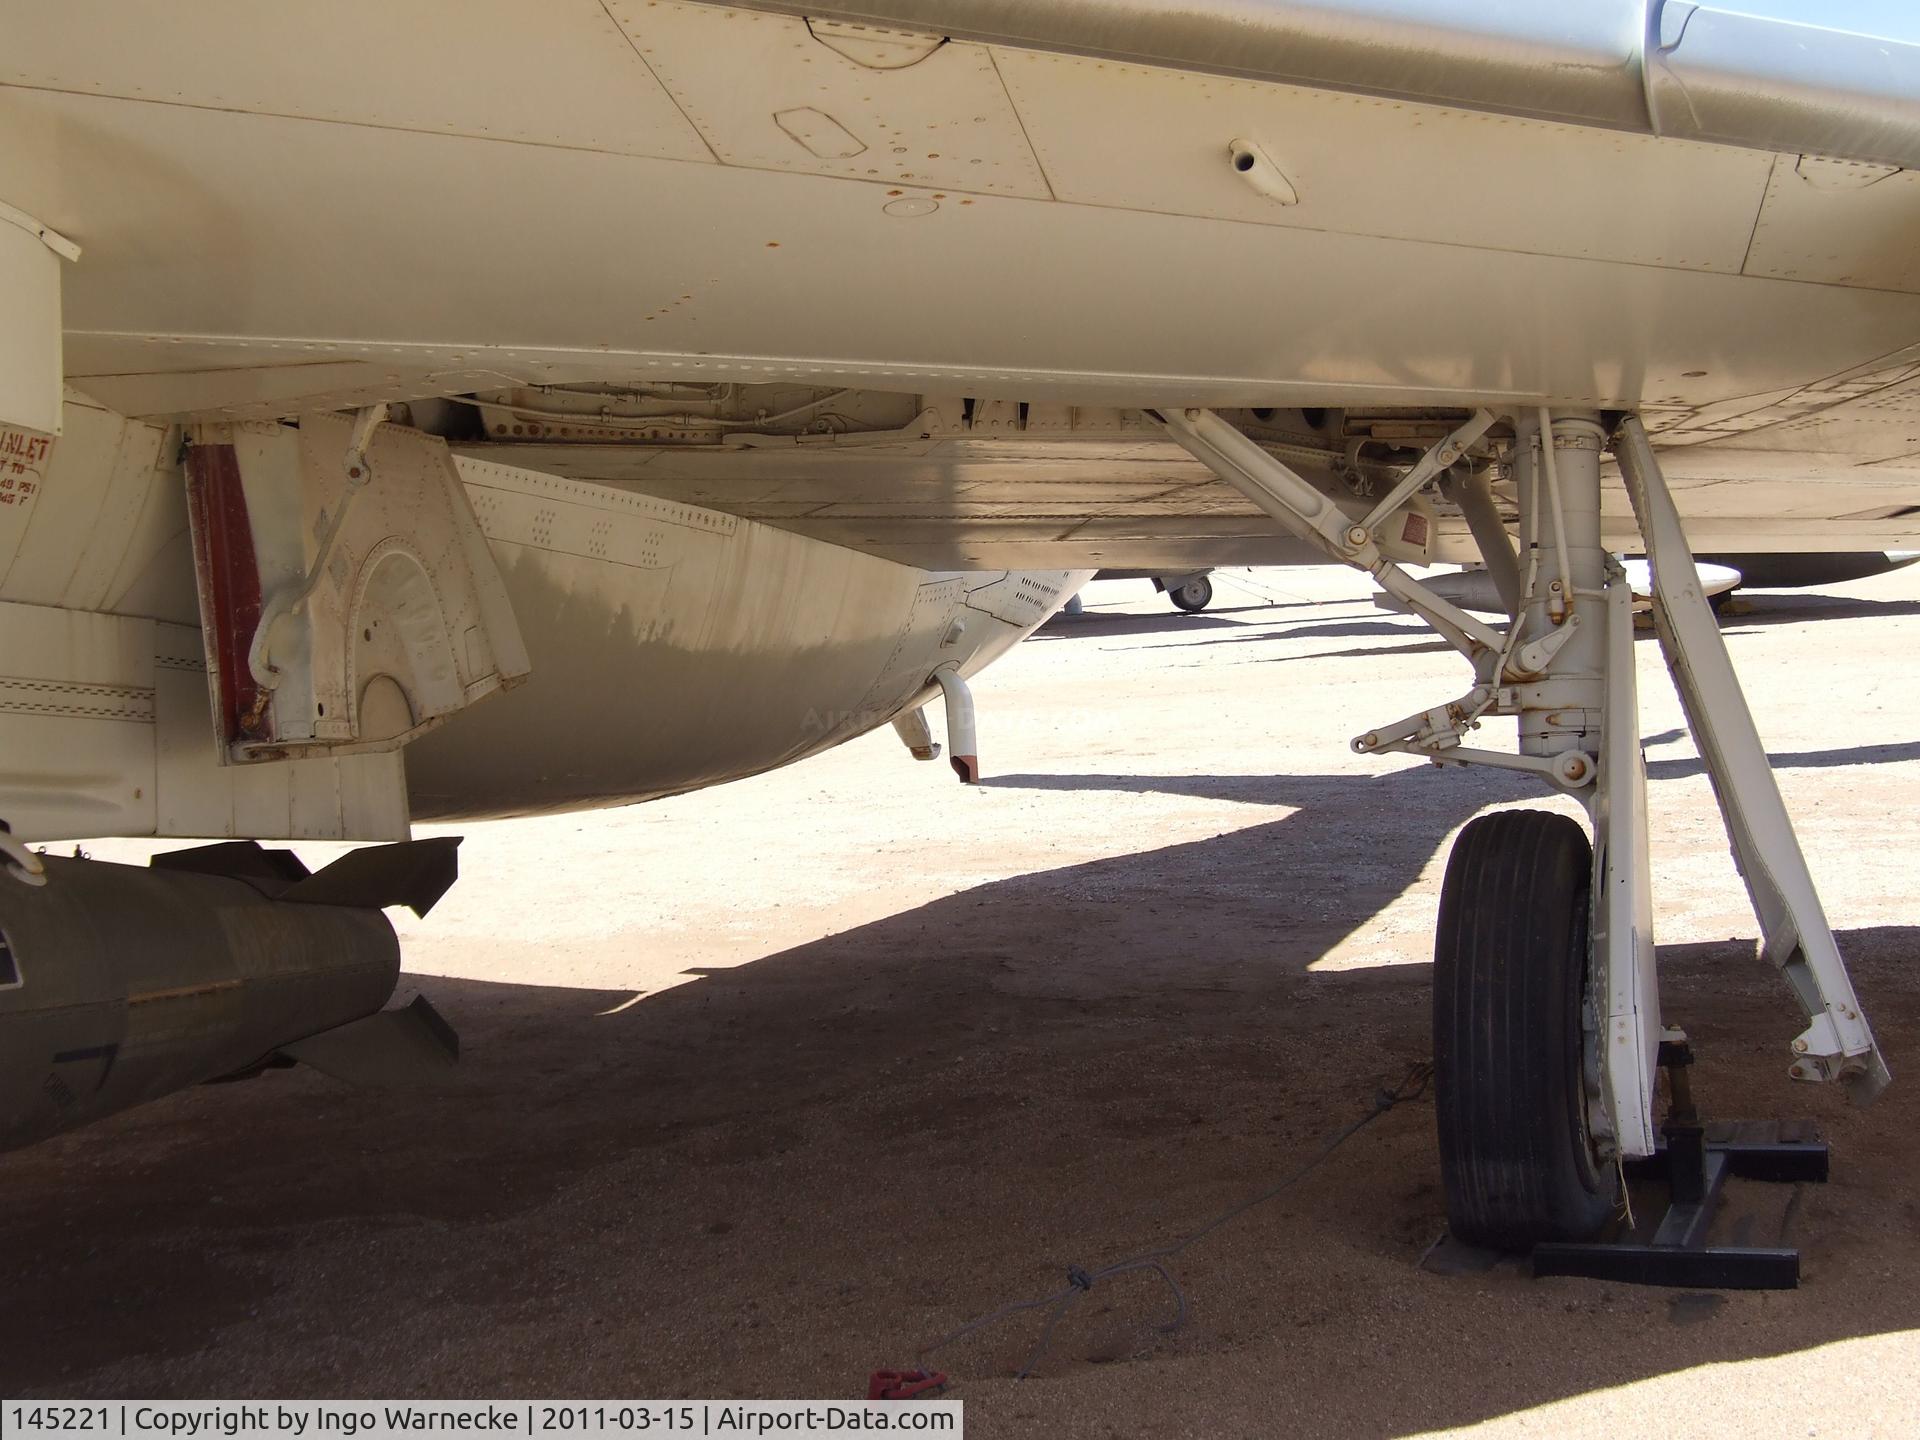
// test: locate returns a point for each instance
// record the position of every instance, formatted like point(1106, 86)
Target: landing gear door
point(348, 596)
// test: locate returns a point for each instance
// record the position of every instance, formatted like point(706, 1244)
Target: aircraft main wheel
point(1515, 1034)
point(1196, 594)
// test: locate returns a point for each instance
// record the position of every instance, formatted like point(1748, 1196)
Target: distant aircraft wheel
point(1196, 594)
point(1516, 1035)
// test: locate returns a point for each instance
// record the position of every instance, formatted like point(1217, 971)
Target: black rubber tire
point(1510, 964)
point(1193, 596)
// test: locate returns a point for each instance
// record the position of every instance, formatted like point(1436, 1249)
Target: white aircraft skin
point(276, 217)
point(604, 398)
point(753, 649)
point(714, 648)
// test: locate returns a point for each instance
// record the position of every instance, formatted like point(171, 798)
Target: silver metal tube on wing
point(119, 985)
point(1830, 82)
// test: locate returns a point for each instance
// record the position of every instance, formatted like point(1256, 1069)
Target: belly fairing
point(675, 648)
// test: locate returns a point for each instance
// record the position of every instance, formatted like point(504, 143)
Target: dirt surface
point(766, 1087)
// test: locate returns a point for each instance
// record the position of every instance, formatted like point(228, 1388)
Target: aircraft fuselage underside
point(636, 647)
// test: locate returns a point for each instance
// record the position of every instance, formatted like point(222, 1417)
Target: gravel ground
point(766, 1087)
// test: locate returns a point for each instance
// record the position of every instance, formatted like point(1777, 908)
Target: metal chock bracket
point(1795, 935)
point(1696, 1160)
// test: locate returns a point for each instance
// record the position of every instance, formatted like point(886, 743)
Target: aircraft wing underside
point(1838, 470)
point(1038, 210)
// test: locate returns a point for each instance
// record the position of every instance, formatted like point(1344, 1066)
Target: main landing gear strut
point(1546, 1018)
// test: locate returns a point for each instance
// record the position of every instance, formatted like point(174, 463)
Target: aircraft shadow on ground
point(1287, 629)
point(1885, 754)
point(1764, 607)
point(1091, 625)
point(1098, 623)
point(1063, 1066)
point(1425, 647)
point(1758, 610)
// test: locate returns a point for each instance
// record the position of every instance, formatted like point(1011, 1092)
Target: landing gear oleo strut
point(1547, 1027)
